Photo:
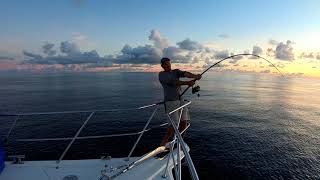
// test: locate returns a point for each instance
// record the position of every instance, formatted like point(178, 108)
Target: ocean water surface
point(243, 126)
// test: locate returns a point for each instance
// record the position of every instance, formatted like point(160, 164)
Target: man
point(171, 84)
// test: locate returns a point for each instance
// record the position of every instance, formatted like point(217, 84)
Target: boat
point(159, 164)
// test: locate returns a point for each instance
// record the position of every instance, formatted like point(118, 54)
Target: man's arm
point(190, 75)
point(188, 83)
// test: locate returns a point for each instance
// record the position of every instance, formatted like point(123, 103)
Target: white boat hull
point(148, 167)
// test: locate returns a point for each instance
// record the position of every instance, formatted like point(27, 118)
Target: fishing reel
point(196, 89)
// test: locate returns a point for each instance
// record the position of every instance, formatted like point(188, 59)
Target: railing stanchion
point(145, 127)
point(173, 159)
point(74, 138)
point(178, 150)
point(11, 128)
point(191, 167)
point(166, 169)
point(179, 161)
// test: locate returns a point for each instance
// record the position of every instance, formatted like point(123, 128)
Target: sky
point(83, 35)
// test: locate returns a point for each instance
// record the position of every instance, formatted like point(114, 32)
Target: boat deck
point(145, 167)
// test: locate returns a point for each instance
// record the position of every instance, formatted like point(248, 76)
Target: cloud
point(6, 58)
point(208, 62)
point(222, 65)
point(177, 54)
point(158, 40)
point(265, 71)
point(279, 65)
point(271, 52)
point(218, 55)
point(205, 66)
point(235, 59)
point(196, 59)
point(151, 54)
point(71, 54)
point(297, 74)
point(47, 49)
point(221, 54)
point(257, 50)
point(305, 55)
point(138, 55)
point(103, 63)
point(85, 58)
point(68, 54)
point(83, 41)
point(187, 44)
point(284, 51)
point(273, 42)
point(32, 55)
point(224, 36)
point(69, 48)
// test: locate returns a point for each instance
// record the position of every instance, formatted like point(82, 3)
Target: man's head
point(165, 64)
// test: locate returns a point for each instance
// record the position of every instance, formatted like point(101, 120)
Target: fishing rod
point(197, 88)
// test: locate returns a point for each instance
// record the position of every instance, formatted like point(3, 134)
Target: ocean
point(243, 126)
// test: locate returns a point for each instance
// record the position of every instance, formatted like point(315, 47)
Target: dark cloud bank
point(186, 51)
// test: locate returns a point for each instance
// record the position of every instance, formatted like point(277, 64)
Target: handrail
point(94, 110)
point(180, 107)
point(90, 137)
point(84, 111)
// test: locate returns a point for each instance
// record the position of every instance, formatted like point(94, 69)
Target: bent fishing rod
point(229, 57)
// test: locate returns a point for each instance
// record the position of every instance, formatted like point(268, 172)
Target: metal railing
point(180, 144)
point(178, 140)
